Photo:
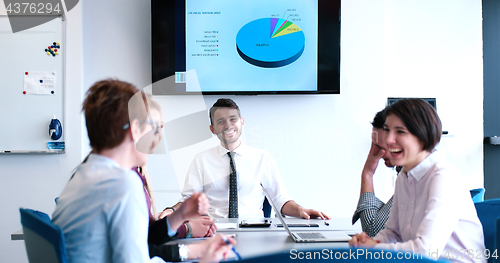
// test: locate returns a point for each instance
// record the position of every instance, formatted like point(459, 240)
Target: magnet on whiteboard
point(55, 129)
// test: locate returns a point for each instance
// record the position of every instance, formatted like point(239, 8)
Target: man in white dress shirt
point(209, 172)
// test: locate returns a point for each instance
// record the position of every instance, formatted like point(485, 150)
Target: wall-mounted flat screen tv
point(218, 47)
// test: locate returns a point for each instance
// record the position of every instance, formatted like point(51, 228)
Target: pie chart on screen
point(270, 42)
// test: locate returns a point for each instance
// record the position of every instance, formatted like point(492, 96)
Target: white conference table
point(268, 240)
point(334, 224)
point(261, 241)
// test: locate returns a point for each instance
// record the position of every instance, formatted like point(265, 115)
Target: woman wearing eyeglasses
point(200, 226)
point(102, 210)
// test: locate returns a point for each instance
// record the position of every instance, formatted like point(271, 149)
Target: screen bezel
point(168, 19)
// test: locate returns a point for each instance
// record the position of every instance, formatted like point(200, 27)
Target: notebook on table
point(307, 236)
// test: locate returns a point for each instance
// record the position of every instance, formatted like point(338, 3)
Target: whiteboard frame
point(63, 102)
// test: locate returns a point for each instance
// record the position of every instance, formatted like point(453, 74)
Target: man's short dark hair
point(223, 103)
point(379, 120)
point(421, 120)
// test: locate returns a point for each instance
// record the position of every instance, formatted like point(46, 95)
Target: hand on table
point(291, 208)
point(311, 213)
point(362, 240)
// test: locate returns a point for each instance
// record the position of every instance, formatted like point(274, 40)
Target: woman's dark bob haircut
point(421, 120)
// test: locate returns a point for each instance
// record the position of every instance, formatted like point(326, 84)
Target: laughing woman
point(432, 213)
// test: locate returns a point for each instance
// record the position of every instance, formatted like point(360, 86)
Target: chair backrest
point(497, 238)
point(357, 255)
point(44, 241)
point(266, 207)
point(477, 195)
point(488, 212)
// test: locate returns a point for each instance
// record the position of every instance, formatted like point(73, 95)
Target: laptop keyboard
point(310, 235)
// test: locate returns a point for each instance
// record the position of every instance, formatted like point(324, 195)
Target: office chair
point(44, 241)
point(489, 212)
point(477, 194)
point(266, 207)
point(497, 236)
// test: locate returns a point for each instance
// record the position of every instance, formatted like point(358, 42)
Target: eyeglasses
point(157, 127)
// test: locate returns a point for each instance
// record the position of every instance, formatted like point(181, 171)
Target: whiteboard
point(25, 118)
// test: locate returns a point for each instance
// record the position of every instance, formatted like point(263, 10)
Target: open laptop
point(325, 236)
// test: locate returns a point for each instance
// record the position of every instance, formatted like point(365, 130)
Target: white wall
point(33, 181)
point(320, 142)
point(423, 48)
point(116, 44)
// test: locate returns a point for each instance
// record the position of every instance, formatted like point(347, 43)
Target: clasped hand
point(362, 240)
point(194, 206)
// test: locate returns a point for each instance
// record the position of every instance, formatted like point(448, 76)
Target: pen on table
point(234, 250)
